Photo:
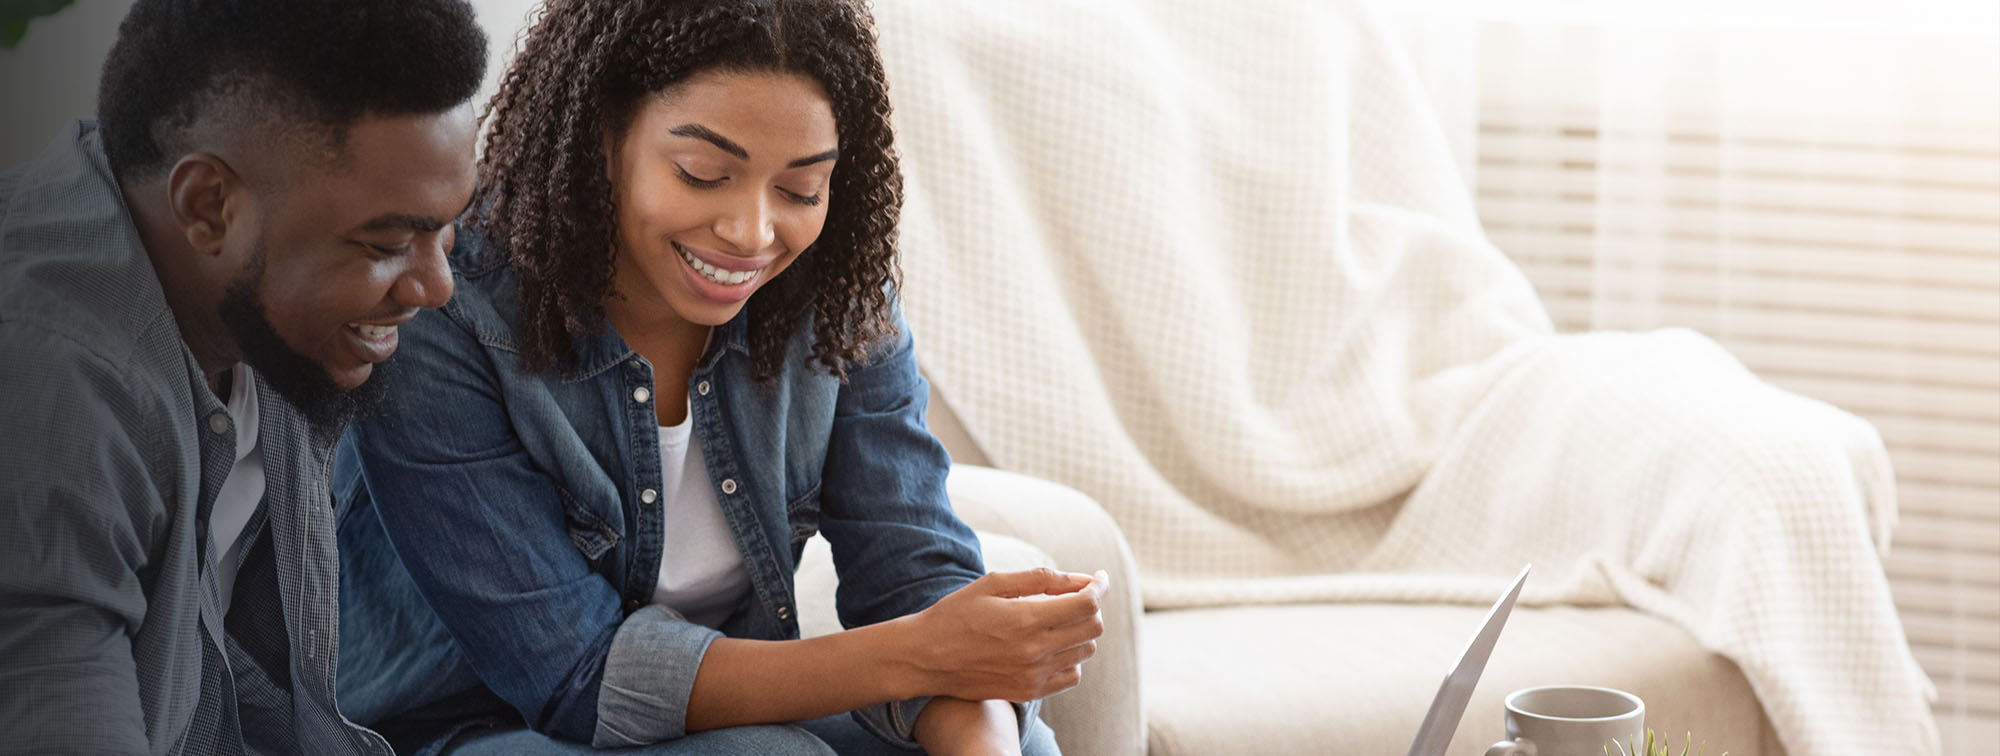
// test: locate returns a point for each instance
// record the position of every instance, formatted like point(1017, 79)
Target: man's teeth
point(712, 273)
point(373, 332)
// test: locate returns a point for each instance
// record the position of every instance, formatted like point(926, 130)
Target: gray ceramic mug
point(1570, 720)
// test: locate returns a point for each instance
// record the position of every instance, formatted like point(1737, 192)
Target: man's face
point(346, 250)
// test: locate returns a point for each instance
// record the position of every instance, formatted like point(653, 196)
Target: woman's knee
point(750, 740)
point(754, 740)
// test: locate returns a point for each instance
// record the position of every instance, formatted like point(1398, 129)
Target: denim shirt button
point(631, 605)
point(784, 612)
point(728, 485)
point(641, 394)
point(701, 388)
point(649, 496)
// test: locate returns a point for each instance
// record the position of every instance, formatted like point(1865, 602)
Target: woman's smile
point(728, 281)
point(726, 273)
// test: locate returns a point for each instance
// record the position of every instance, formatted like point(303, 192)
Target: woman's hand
point(957, 727)
point(1014, 636)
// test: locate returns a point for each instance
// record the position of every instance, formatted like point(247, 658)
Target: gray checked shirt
point(112, 450)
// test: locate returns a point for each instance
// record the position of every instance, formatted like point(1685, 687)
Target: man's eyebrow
point(411, 221)
point(698, 131)
point(403, 221)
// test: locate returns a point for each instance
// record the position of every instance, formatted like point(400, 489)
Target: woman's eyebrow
point(832, 154)
point(704, 133)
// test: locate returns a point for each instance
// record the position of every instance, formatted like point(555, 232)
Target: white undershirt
point(244, 487)
point(701, 571)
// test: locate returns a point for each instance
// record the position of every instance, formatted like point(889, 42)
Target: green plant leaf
point(15, 15)
point(11, 31)
point(31, 8)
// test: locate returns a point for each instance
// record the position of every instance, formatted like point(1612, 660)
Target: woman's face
point(721, 181)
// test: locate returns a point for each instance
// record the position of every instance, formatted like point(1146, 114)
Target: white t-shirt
point(243, 489)
point(701, 571)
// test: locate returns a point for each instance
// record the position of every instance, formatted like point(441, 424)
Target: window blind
point(1858, 266)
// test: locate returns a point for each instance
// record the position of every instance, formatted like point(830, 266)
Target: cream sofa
point(1313, 679)
point(1293, 679)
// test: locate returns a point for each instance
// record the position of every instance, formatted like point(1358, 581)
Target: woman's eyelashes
point(807, 200)
point(697, 181)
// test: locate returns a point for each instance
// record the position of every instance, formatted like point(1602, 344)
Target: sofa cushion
point(1357, 678)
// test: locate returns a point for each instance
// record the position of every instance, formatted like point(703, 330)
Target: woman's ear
point(202, 193)
point(610, 149)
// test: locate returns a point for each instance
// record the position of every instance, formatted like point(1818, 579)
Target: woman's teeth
point(712, 273)
point(373, 332)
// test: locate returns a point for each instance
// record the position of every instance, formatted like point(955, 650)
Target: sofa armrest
point(1023, 523)
point(1105, 714)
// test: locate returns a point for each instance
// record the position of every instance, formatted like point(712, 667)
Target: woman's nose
point(750, 228)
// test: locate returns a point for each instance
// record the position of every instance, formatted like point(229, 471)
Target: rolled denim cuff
point(895, 722)
point(1025, 713)
point(648, 677)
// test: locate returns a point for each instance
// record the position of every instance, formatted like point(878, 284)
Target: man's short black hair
point(323, 63)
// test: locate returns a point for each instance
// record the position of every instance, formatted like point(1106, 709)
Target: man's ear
point(204, 195)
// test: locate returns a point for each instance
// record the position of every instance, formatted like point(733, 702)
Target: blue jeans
point(832, 736)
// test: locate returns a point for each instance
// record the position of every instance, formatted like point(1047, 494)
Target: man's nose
point(427, 282)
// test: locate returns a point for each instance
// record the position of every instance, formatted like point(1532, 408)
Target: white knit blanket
point(1211, 264)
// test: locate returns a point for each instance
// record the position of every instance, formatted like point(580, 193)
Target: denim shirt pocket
point(803, 515)
point(587, 529)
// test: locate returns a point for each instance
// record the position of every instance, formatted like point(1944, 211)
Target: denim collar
point(593, 354)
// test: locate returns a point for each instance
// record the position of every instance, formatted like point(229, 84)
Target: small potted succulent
point(1652, 748)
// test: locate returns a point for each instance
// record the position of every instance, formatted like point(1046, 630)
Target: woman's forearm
point(1014, 636)
point(744, 682)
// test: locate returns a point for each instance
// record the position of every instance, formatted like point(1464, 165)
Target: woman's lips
point(715, 282)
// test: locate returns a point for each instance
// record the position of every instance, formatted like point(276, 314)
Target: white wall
point(51, 78)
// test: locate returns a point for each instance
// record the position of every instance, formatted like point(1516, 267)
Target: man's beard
point(327, 407)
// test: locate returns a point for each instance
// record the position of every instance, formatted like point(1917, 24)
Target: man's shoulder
point(67, 339)
point(74, 278)
point(93, 438)
point(69, 384)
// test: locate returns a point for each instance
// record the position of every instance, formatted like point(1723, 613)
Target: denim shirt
point(525, 514)
point(113, 638)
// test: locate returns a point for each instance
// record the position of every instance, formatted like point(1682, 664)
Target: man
point(194, 292)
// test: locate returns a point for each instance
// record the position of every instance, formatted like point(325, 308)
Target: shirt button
point(218, 422)
point(641, 394)
point(649, 496)
point(729, 485)
point(631, 605)
point(701, 388)
point(784, 612)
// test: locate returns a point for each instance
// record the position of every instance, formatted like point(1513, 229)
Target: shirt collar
point(595, 353)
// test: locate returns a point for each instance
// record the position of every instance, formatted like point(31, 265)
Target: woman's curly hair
point(586, 65)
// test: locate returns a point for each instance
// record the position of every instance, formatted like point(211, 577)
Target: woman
point(673, 355)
